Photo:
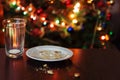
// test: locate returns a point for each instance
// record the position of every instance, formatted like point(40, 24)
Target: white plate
point(49, 53)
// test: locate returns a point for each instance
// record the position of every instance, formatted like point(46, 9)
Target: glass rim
point(14, 20)
point(7, 20)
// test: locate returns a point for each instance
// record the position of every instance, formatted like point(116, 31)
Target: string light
point(3, 30)
point(76, 7)
point(30, 9)
point(25, 13)
point(18, 8)
point(99, 28)
point(63, 24)
point(33, 17)
point(72, 16)
point(103, 43)
point(45, 23)
point(57, 21)
point(18, 2)
point(76, 10)
point(51, 25)
point(14, 3)
point(51, 1)
point(43, 18)
point(89, 1)
point(110, 2)
point(107, 37)
point(39, 11)
point(23, 8)
point(111, 33)
point(70, 29)
point(104, 37)
point(74, 21)
point(8, 21)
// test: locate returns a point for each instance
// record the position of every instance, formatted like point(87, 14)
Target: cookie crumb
point(36, 69)
point(50, 72)
point(45, 65)
point(76, 74)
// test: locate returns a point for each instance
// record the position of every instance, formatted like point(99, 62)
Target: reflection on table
point(85, 64)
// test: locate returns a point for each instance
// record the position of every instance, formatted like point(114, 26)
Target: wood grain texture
point(89, 64)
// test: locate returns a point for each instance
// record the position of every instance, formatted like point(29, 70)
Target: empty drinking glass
point(14, 36)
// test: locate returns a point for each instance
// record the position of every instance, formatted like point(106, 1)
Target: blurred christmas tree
point(68, 23)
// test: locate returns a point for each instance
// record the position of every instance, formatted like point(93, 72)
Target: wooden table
point(88, 64)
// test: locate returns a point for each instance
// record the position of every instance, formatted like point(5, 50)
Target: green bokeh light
point(111, 33)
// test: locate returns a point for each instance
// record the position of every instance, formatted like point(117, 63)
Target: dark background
point(115, 23)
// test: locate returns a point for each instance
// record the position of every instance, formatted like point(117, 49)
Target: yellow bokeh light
point(3, 30)
point(111, 1)
point(72, 15)
point(89, 1)
point(107, 37)
point(51, 1)
point(76, 10)
point(103, 43)
point(74, 20)
point(14, 2)
point(99, 28)
point(30, 9)
point(63, 24)
point(77, 5)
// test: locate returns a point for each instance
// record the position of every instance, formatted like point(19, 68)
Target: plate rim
point(50, 46)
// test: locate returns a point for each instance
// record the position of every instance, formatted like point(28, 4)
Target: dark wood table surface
point(86, 64)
